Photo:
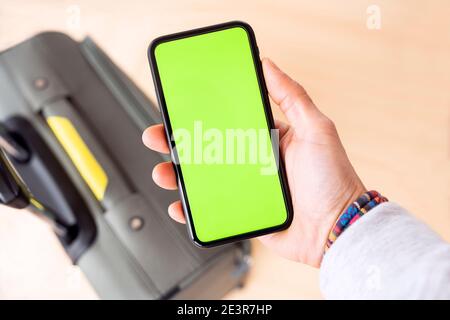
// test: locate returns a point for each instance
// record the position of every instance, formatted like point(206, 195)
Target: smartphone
point(219, 125)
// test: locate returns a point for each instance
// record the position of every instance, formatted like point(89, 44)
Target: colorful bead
point(356, 210)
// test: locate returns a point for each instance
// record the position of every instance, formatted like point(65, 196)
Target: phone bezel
point(168, 131)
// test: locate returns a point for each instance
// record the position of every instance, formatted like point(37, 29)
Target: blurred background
point(380, 69)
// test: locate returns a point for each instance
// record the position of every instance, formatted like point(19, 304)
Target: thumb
point(293, 100)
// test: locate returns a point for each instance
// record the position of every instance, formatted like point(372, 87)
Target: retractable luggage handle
point(15, 194)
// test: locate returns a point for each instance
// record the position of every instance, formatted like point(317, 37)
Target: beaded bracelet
point(356, 210)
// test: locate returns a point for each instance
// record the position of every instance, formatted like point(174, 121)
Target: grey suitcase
point(80, 119)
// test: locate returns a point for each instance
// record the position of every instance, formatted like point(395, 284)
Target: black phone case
point(168, 129)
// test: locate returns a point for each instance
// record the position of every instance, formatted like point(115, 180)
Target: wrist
point(363, 204)
point(319, 233)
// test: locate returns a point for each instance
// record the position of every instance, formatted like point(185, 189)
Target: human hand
point(321, 178)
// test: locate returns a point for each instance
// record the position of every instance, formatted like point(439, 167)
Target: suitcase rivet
point(136, 223)
point(40, 83)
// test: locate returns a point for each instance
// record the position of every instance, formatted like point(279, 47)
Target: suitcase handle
point(15, 194)
point(44, 188)
point(11, 146)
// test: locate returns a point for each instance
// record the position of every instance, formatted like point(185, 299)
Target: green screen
point(215, 108)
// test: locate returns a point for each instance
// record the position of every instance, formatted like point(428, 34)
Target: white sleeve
point(387, 254)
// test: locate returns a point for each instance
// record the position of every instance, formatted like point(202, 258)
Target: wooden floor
point(388, 91)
